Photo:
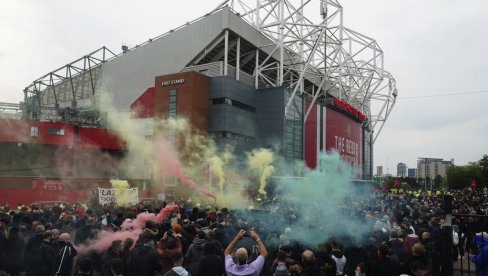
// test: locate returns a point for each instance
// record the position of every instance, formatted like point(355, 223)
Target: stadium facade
point(266, 76)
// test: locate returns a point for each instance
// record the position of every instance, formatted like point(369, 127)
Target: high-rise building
point(401, 170)
point(412, 172)
point(432, 167)
point(379, 170)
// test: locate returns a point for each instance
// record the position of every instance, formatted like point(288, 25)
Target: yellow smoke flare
point(261, 160)
point(217, 164)
point(121, 186)
point(216, 167)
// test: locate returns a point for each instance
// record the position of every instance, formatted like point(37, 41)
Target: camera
point(248, 232)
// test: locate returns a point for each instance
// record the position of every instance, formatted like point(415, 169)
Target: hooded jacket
point(177, 271)
point(64, 260)
point(32, 255)
point(194, 254)
point(143, 260)
point(481, 258)
point(340, 260)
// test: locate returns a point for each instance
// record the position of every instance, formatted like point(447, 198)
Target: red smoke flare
point(130, 229)
point(168, 159)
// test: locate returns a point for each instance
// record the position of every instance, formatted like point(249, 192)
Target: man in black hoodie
point(212, 264)
point(48, 255)
point(66, 254)
point(195, 253)
point(338, 257)
point(384, 266)
point(143, 260)
point(310, 267)
point(12, 252)
point(86, 232)
point(32, 252)
point(325, 261)
point(113, 252)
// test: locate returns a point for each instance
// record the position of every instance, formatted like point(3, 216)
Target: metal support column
point(256, 70)
point(282, 42)
point(238, 58)
point(226, 51)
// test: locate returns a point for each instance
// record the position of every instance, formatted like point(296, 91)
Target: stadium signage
point(348, 149)
point(171, 82)
point(350, 109)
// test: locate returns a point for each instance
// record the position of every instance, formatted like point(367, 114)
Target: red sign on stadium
point(344, 135)
point(47, 184)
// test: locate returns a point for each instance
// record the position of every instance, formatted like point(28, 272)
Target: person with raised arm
point(241, 265)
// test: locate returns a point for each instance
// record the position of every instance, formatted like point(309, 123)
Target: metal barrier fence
point(473, 238)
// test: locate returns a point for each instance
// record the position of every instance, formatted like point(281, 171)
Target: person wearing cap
point(32, 252)
point(178, 232)
point(241, 266)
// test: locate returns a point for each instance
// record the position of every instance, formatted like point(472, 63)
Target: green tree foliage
point(483, 164)
point(460, 177)
point(390, 182)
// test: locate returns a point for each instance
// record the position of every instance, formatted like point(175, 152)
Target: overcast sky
point(432, 47)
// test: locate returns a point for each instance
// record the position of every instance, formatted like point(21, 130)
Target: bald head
point(55, 233)
point(64, 237)
point(308, 257)
point(241, 256)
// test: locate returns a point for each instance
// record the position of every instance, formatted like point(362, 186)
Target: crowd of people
point(406, 237)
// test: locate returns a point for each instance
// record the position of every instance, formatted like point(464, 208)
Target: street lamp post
point(425, 171)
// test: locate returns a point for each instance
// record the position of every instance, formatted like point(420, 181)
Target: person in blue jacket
point(480, 259)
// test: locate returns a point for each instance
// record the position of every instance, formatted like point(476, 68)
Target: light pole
point(425, 171)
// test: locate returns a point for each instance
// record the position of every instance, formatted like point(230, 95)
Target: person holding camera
point(166, 248)
point(241, 265)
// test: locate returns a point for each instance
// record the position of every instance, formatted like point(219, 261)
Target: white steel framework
point(318, 55)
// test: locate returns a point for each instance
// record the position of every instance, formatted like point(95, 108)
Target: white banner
point(121, 197)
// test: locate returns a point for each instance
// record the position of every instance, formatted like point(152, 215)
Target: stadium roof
point(274, 43)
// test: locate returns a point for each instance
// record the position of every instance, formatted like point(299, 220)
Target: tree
point(460, 177)
point(437, 180)
point(483, 166)
point(390, 182)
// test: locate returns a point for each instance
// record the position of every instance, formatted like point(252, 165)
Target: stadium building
point(276, 74)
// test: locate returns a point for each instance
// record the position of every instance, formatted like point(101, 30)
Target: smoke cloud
point(168, 160)
point(260, 160)
point(130, 229)
point(311, 206)
point(121, 187)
